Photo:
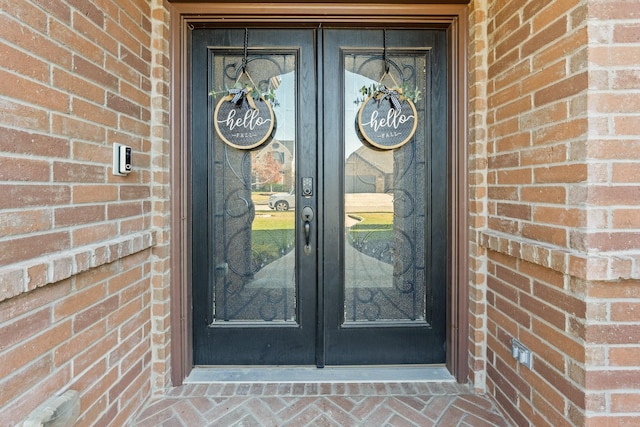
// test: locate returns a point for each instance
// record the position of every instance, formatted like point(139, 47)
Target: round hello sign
point(244, 124)
point(387, 120)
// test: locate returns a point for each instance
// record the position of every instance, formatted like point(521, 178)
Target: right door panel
point(385, 211)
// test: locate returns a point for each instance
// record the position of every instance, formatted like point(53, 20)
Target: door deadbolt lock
point(307, 213)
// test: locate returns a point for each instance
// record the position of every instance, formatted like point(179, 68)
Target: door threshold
point(310, 374)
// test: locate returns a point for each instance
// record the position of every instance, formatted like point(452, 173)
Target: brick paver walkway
point(323, 404)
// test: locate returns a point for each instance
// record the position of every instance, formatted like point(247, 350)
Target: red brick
point(512, 39)
point(24, 64)
point(78, 343)
point(25, 221)
point(94, 193)
point(614, 241)
point(123, 210)
point(624, 356)
point(119, 104)
point(24, 379)
point(36, 346)
point(559, 216)
point(89, 10)
point(78, 86)
point(566, 88)
point(513, 210)
point(134, 27)
point(554, 32)
point(626, 79)
point(19, 409)
point(561, 174)
point(133, 192)
point(503, 192)
point(544, 194)
point(504, 160)
point(22, 196)
point(87, 29)
point(33, 41)
point(134, 61)
point(543, 274)
point(57, 9)
point(21, 249)
point(544, 77)
point(78, 172)
point(17, 169)
point(97, 114)
point(542, 233)
point(626, 172)
point(541, 117)
point(515, 176)
point(93, 233)
point(79, 215)
point(551, 414)
point(615, 9)
point(12, 283)
point(615, 149)
point(24, 327)
point(74, 41)
point(559, 382)
point(33, 144)
point(625, 402)
point(17, 87)
point(78, 301)
point(124, 312)
point(513, 312)
point(92, 153)
point(560, 48)
point(560, 299)
point(513, 142)
point(613, 334)
point(93, 314)
point(74, 128)
point(613, 380)
point(543, 155)
point(94, 73)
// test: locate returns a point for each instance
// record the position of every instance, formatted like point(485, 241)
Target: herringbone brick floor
point(320, 404)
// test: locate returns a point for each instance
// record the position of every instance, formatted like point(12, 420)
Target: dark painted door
point(316, 248)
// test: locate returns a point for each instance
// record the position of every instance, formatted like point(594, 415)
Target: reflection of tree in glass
point(267, 169)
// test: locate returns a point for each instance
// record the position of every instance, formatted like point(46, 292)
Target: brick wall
point(612, 332)
point(556, 255)
point(477, 192)
point(82, 252)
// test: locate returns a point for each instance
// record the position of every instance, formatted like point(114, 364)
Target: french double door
point(316, 247)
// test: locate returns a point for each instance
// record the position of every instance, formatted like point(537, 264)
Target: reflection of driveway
point(360, 271)
point(368, 202)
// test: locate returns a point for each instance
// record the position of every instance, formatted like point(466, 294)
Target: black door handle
point(307, 217)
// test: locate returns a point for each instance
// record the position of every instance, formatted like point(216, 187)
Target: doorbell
point(121, 159)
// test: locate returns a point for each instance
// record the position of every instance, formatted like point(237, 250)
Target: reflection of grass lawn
point(273, 232)
point(374, 218)
point(274, 220)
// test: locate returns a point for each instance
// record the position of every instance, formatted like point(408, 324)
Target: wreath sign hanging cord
point(387, 119)
point(240, 120)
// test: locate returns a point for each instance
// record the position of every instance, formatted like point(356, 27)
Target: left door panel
point(250, 305)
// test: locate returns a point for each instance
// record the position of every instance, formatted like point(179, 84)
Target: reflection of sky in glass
point(352, 84)
point(285, 111)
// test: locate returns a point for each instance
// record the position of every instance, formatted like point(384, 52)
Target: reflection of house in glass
point(369, 171)
point(273, 164)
